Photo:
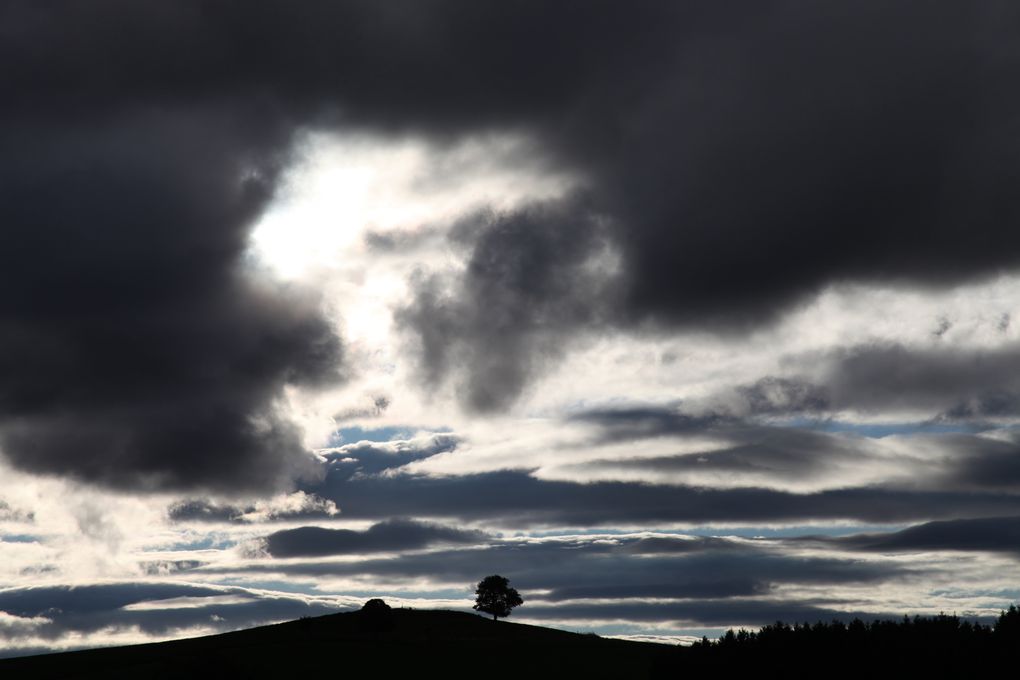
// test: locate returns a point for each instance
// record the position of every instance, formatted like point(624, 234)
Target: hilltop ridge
point(454, 644)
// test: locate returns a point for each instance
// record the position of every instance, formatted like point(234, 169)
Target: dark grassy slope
point(451, 644)
point(408, 643)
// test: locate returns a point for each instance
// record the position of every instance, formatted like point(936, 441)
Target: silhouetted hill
point(384, 643)
point(451, 644)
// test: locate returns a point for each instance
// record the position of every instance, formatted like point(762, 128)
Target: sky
point(680, 315)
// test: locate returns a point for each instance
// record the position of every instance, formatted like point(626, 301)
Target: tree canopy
point(496, 597)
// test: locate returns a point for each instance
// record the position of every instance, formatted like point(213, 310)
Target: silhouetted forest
point(938, 646)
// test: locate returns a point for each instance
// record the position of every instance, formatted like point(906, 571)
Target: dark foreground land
point(408, 644)
point(411, 643)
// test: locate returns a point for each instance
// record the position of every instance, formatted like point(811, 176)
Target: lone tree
point(496, 597)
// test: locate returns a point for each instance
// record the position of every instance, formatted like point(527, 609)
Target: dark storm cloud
point(737, 156)
point(792, 157)
point(744, 155)
point(392, 535)
point(496, 326)
point(140, 143)
point(133, 350)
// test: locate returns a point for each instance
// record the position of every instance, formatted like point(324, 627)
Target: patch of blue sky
point(349, 435)
point(207, 543)
point(1007, 595)
point(19, 538)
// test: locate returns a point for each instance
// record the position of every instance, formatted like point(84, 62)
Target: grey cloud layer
point(63, 611)
point(952, 383)
point(605, 567)
point(973, 476)
point(664, 579)
point(392, 535)
point(991, 534)
point(943, 384)
point(644, 578)
point(518, 499)
point(717, 581)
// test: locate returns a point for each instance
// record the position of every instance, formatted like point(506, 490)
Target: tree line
point(939, 646)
